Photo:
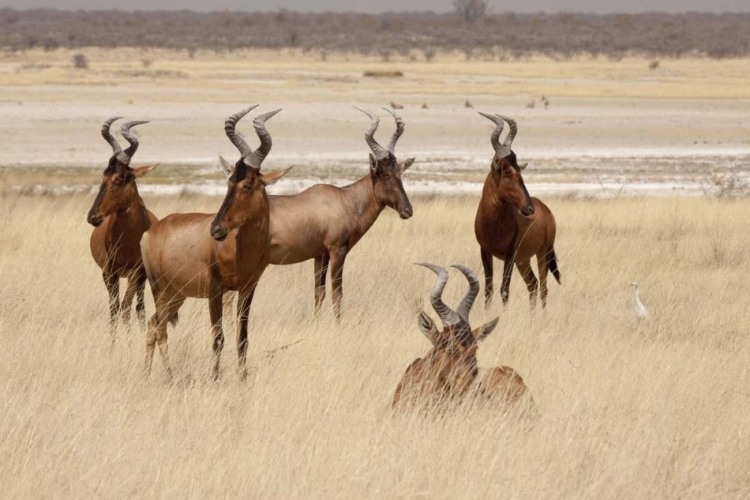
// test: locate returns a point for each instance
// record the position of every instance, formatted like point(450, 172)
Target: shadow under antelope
point(324, 222)
point(120, 218)
point(511, 225)
point(203, 255)
point(449, 372)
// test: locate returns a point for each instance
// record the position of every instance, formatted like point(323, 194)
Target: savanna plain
point(627, 408)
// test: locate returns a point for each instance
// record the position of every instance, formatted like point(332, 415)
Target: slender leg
point(140, 305)
point(215, 306)
point(127, 299)
point(337, 280)
point(488, 277)
point(166, 309)
point(507, 273)
point(112, 280)
point(542, 260)
point(321, 269)
point(532, 285)
point(243, 314)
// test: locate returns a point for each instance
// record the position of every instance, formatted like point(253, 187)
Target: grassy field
point(627, 409)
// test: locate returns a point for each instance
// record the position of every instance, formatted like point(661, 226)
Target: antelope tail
point(174, 319)
point(552, 263)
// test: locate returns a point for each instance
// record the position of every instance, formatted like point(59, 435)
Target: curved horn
point(464, 308)
point(500, 149)
point(447, 315)
point(229, 126)
point(255, 159)
point(116, 148)
point(400, 126)
point(376, 148)
point(126, 155)
point(513, 130)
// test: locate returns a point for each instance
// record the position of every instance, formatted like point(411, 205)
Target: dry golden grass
point(628, 409)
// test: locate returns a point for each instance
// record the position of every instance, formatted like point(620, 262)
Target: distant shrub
point(429, 53)
point(470, 11)
point(653, 65)
point(490, 36)
point(383, 74)
point(80, 61)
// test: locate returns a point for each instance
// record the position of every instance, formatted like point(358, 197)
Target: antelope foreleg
point(321, 269)
point(244, 302)
point(337, 281)
point(488, 278)
point(507, 273)
point(140, 305)
point(112, 281)
point(215, 308)
point(127, 299)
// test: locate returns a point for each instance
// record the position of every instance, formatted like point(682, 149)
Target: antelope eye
point(118, 181)
point(246, 187)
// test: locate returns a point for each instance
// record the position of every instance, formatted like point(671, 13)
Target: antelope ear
point(428, 328)
point(141, 171)
point(522, 166)
point(404, 166)
point(226, 167)
point(272, 177)
point(483, 331)
point(373, 163)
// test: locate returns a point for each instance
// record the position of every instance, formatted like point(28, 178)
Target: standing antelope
point(120, 218)
point(324, 222)
point(449, 371)
point(203, 255)
point(512, 226)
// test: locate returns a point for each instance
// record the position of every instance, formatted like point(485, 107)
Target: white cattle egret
point(640, 309)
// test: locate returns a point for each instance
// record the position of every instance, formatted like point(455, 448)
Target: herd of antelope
point(209, 256)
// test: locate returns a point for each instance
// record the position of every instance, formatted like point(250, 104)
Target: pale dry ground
point(627, 409)
point(51, 113)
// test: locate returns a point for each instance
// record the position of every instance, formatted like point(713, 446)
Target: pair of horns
point(448, 316)
point(127, 155)
point(251, 158)
point(501, 149)
point(379, 151)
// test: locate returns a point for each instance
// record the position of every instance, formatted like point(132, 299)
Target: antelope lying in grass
point(324, 222)
point(512, 226)
point(449, 372)
point(203, 255)
point(120, 218)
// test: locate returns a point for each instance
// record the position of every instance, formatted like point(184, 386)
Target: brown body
point(512, 226)
point(120, 218)
point(324, 222)
point(204, 255)
point(449, 373)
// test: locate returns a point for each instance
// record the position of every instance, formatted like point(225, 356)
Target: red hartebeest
point(449, 372)
point(324, 222)
point(120, 218)
point(512, 226)
point(203, 255)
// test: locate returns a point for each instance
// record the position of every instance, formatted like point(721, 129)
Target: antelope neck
point(360, 196)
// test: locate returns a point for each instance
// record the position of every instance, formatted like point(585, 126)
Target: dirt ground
point(608, 121)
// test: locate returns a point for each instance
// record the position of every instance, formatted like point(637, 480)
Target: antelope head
point(452, 362)
point(246, 187)
point(118, 180)
point(506, 172)
point(385, 170)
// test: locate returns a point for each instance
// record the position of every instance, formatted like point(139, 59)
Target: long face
point(115, 193)
point(508, 180)
point(389, 190)
point(245, 195)
point(246, 198)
